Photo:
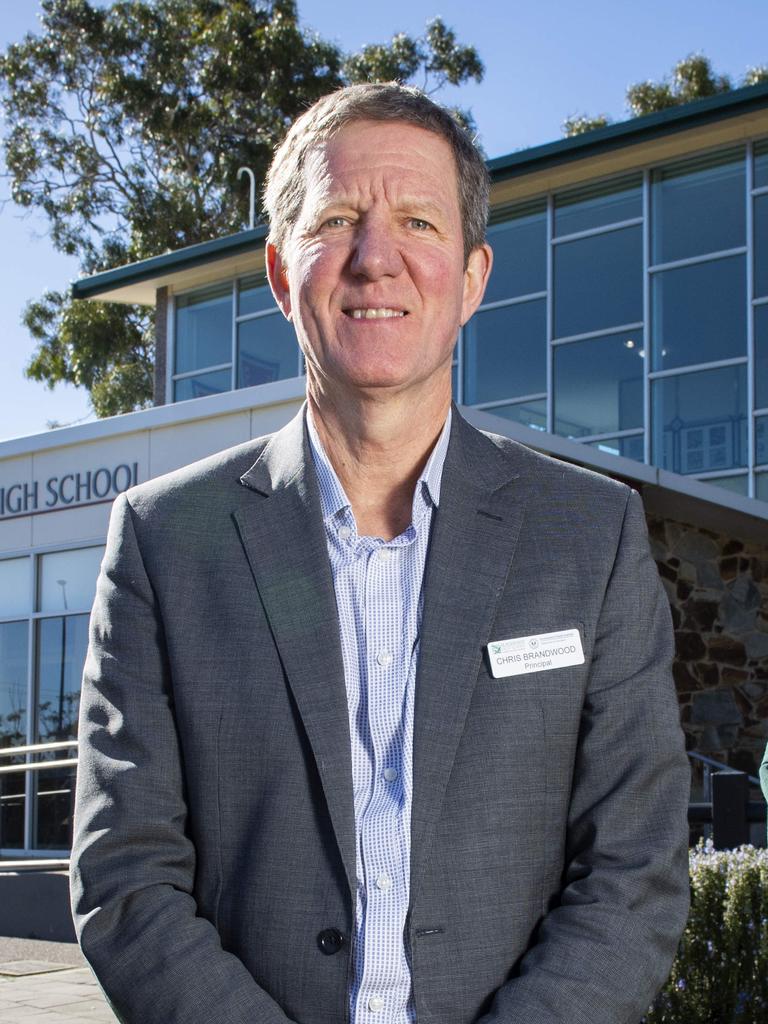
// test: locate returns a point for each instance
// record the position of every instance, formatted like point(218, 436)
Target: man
point(317, 780)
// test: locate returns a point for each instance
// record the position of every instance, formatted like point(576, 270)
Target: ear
point(476, 276)
point(277, 275)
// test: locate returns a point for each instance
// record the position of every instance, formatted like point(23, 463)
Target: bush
point(720, 973)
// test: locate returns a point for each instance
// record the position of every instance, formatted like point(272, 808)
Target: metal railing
point(38, 748)
point(726, 805)
point(30, 750)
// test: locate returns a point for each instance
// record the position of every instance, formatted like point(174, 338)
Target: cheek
point(314, 279)
point(438, 276)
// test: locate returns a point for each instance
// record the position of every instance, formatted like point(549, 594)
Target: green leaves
point(103, 347)
point(580, 123)
point(434, 60)
point(692, 78)
point(720, 973)
point(126, 126)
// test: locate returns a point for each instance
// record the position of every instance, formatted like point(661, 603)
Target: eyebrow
point(426, 206)
point(413, 205)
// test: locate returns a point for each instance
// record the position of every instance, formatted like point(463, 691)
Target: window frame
point(644, 174)
point(32, 617)
point(231, 365)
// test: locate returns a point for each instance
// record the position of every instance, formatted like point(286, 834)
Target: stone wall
point(718, 591)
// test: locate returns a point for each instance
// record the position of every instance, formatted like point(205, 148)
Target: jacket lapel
point(282, 533)
point(474, 533)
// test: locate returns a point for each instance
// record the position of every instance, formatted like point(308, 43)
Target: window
point(519, 255)
point(761, 245)
point(531, 414)
point(700, 423)
point(761, 164)
point(738, 484)
point(598, 282)
point(761, 441)
point(266, 342)
point(699, 313)
point(203, 339)
point(231, 335)
point(39, 698)
point(599, 385)
point(619, 314)
point(202, 384)
point(761, 356)
point(13, 728)
point(697, 207)
point(598, 206)
point(628, 447)
point(506, 352)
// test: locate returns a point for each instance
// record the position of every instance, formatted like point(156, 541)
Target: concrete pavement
point(48, 983)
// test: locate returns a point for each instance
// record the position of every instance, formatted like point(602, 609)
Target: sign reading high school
point(84, 487)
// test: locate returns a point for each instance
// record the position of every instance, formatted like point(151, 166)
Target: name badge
point(538, 653)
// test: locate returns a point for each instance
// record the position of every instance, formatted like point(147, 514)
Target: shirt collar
point(332, 496)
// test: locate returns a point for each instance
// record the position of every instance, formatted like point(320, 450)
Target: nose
point(376, 252)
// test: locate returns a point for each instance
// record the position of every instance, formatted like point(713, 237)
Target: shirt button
point(384, 658)
point(385, 554)
point(375, 1004)
point(390, 774)
point(345, 532)
point(384, 882)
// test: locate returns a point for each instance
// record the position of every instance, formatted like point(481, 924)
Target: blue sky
point(544, 61)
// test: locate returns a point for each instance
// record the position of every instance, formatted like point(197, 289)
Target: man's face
point(373, 273)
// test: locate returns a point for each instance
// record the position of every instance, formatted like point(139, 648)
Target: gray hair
point(387, 101)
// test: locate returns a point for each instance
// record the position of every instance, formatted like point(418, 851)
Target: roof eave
point(629, 132)
point(186, 258)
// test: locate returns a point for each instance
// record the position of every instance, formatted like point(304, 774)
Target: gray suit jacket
point(215, 822)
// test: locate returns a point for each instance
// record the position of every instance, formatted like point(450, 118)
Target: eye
point(419, 224)
point(335, 222)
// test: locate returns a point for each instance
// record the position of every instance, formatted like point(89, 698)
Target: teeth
point(374, 314)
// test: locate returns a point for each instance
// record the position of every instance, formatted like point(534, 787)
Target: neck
point(378, 449)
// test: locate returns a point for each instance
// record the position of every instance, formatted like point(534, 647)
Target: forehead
point(393, 156)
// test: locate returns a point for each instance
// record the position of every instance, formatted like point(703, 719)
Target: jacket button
point(330, 941)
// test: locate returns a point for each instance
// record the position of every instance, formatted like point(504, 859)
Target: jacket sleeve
point(601, 954)
point(133, 864)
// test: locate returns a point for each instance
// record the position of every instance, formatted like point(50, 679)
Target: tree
point(126, 127)
point(692, 78)
point(577, 124)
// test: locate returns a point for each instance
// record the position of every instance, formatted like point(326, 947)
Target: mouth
point(377, 313)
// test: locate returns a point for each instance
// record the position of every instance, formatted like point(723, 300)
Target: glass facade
point(598, 282)
point(653, 344)
point(44, 611)
point(630, 314)
point(230, 335)
point(503, 352)
point(760, 306)
point(598, 386)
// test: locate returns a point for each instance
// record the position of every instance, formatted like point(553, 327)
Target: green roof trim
point(169, 262)
point(632, 131)
point(599, 140)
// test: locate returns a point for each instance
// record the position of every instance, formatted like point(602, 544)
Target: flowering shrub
point(720, 973)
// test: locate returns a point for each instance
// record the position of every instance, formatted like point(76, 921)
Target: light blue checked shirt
point(379, 600)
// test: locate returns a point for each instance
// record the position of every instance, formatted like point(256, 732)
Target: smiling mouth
point(382, 313)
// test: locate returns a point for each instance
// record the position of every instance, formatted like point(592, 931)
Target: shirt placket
point(383, 846)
